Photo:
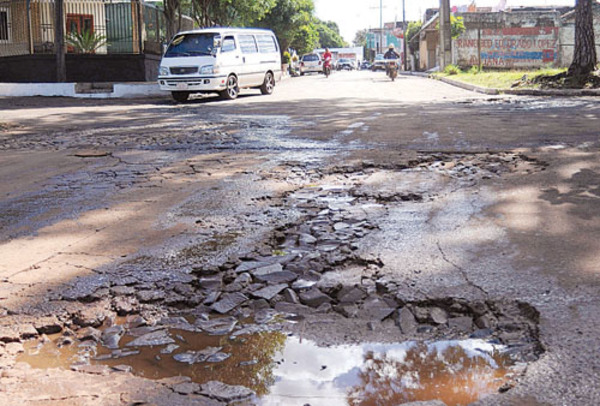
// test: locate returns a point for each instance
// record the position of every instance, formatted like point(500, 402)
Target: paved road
point(500, 195)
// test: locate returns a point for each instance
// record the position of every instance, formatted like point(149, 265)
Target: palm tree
point(86, 42)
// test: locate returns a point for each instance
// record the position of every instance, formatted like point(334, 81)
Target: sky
point(354, 15)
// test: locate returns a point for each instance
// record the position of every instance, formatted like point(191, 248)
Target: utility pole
point(404, 39)
point(59, 41)
point(445, 34)
point(380, 46)
point(380, 26)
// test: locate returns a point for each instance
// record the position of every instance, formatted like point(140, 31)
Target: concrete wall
point(80, 68)
point(510, 40)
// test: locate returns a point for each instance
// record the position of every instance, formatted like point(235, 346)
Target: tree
point(307, 39)
point(584, 57)
point(413, 29)
point(208, 13)
point(172, 12)
point(329, 35)
point(360, 38)
point(457, 26)
point(290, 19)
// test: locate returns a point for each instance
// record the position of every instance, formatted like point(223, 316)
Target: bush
point(452, 70)
point(475, 70)
point(286, 58)
point(86, 42)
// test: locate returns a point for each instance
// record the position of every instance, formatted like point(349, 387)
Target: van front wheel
point(232, 91)
point(268, 85)
point(180, 97)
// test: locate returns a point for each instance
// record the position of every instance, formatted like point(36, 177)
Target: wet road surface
point(371, 211)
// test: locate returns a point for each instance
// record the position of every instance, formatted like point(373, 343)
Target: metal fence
point(91, 26)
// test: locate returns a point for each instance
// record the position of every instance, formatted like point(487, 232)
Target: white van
point(222, 60)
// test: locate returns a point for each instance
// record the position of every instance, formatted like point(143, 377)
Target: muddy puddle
point(282, 368)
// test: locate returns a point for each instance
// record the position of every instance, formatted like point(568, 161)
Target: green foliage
point(475, 70)
point(457, 26)
point(413, 29)
point(360, 38)
point(329, 35)
point(286, 58)
point(239, 13)
point(452, 70)
point(286, 19)
point(85, 43)
point(307, 39)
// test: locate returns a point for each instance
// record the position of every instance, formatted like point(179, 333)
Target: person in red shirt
point(327, 57)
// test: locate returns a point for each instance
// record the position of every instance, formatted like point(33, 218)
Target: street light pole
point(404, 36)
point(445, 34)
point(59, 41)
point(380, 26)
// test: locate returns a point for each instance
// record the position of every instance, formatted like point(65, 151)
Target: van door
point(251, 69)
point(230, 58)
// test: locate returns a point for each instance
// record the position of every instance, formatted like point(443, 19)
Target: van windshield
point(191, 45)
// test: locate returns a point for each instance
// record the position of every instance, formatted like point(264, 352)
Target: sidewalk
point(516, 92)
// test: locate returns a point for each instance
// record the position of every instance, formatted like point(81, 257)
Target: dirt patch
point(562, 81)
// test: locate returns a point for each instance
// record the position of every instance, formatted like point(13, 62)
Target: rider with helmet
point(390, 54)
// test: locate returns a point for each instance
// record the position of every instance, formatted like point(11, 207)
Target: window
point(266, 43)
point(4, 25)
point(191, 45)
point(247, 44)
point(80, 23)
point(228, 44)
point(310, 58)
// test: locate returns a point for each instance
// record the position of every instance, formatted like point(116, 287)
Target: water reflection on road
point(456, 372)
point(286, 370)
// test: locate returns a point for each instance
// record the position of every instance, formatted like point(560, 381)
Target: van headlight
point(209, 70)
point(163, 71)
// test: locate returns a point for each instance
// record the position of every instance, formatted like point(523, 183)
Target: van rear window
point(266, 44)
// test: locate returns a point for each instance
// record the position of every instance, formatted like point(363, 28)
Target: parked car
point(346, 64)
point(365, 65)
point(378, 63)
point(222, 60)
point(311, 63)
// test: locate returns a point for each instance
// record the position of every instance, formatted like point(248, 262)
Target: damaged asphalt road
point(416, 213)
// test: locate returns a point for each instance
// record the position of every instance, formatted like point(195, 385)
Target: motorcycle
point(392, 69)
point(327, 67)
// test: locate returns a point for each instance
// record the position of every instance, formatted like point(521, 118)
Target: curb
point(520, 92)
point(418, 74)
point(468, 86)
point(111, 91)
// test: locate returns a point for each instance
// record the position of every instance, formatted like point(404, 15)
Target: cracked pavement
point(453, 199)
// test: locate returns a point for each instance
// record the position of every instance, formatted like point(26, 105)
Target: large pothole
point(265, 320)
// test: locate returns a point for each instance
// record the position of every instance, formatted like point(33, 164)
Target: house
point(516, 38)
point(379, 40)
point(429, 41)
point(133, 35)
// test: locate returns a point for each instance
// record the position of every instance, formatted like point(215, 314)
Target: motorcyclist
point(390, 54)
point(327, 57)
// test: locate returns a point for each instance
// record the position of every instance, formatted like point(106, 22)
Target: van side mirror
point(217, 42)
